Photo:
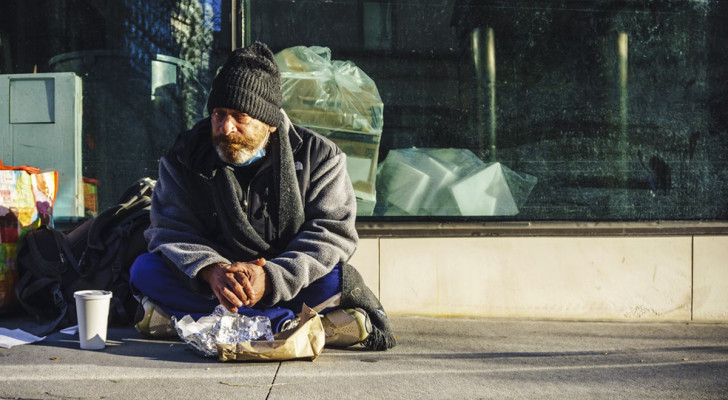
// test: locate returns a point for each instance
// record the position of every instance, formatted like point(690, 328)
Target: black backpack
point(96, 254)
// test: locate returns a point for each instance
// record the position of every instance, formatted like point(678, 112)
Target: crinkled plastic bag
point(319, 92)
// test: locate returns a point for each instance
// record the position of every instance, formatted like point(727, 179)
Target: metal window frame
point(234, 33)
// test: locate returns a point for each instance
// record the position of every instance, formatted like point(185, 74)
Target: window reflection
point(145, 68)
point(613, 107)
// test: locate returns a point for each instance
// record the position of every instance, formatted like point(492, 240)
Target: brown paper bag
point(305, 341)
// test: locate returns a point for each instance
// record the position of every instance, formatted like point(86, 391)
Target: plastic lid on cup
point(92, 294)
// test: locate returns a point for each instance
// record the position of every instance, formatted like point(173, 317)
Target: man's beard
point(235, 150)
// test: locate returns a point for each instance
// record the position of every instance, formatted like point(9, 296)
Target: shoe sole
point(345, 328)
point(156, 324)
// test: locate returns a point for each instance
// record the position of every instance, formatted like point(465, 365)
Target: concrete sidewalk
point(437, 358)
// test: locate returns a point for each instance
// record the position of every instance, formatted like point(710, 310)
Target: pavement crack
point(273, 382)
point(97, 396)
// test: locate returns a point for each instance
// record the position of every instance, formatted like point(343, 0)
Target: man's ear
point(272, 128)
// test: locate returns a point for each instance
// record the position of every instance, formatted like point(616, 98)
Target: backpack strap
point(141, 188)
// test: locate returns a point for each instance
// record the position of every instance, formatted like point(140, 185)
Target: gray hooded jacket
point(198, 210)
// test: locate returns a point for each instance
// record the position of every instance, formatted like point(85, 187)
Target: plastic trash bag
point(319, 92)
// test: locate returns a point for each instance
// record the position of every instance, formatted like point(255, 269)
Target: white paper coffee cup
point(92, 310)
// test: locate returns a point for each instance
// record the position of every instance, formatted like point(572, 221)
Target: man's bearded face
point(237, 137)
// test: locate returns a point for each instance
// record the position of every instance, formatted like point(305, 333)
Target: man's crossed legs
point(162, 294)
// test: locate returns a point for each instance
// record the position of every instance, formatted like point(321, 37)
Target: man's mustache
point(235, 141)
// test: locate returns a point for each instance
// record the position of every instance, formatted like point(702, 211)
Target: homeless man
point(256, 214)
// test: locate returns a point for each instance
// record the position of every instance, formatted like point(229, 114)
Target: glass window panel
point(531, 110)
point(515, 110)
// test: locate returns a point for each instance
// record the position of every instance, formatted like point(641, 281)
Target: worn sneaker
point(346, 327)
point(152, 321)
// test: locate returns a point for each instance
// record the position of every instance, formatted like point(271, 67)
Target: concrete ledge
point(710, 277)
point(625, 278)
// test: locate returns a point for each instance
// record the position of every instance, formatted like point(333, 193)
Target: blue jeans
point(151, 277)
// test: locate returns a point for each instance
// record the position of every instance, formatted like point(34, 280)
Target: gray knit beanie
point(249, 82)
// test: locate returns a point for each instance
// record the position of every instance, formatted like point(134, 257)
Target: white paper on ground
point(16, 337)
point(71, 330)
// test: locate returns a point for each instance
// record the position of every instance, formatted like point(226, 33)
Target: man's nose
point(228, 124)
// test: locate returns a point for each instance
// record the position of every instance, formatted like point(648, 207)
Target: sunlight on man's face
point(237, 136)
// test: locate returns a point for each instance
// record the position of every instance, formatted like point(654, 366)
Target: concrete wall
point(659, 278)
